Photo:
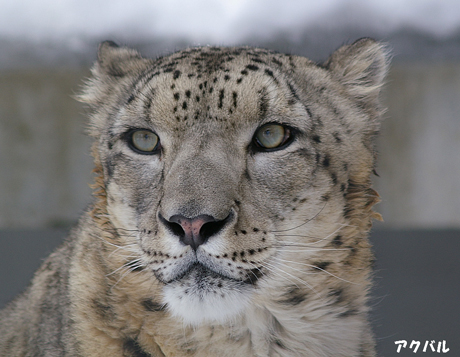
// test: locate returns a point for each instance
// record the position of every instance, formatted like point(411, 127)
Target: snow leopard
point(232, 202)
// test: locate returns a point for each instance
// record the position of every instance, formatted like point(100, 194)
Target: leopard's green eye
point(144, 141)
point(272, 136)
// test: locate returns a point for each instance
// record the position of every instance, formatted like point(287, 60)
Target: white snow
point(218, 21)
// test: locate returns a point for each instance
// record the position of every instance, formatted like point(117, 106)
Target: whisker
point(316, 267)
point(312, 249)
point(304, 223)
point(272, 271)
point(324, 238)
point(126, 265)
point(127, 249)
point(296, 278)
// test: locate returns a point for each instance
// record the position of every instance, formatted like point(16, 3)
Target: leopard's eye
point(143, 141)
point(272, 136)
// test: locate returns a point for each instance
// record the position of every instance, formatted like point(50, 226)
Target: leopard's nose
point(194, 231)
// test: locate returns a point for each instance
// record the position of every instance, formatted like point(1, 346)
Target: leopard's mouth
point(202, 274)
point(201, 294)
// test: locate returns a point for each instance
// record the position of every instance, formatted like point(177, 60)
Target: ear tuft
point(361, 67)
point(115, 61)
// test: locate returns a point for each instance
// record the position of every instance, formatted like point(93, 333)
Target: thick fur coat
point(232, 203)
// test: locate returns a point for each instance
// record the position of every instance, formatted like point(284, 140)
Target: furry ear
point(116, 61)
point(113, 65)
point(361, 67)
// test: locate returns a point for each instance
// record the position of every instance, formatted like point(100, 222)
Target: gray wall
point(45, 166)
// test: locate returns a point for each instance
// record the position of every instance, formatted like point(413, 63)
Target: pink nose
point(191, 229)
point(194, 231)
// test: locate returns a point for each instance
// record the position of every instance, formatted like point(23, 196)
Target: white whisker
point(315, 267)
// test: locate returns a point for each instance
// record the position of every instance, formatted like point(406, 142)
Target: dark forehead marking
point(293, 91)
point(221, 98)
point(176, 74)
point(263, 102)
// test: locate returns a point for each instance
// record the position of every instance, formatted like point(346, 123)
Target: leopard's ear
point(361, 67)
point(114, 64)
point(116, 61)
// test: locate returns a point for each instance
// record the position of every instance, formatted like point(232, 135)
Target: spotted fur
point(282, 265)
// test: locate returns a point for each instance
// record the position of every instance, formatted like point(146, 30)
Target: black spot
point(263, 103)
point(316, 138)
point(152, 306)
point(252, 67)
point(235, 96)
point(274, 60)
point(253, 275)
point(337, 241)
point(187, 93)
point(293, 297)
point(269, 72)
point(176, 74)
point(167, 70)
point(133, 349)
point(247, 175)
point(280, 344)
point(291, 101)
point(239, 80)
point(255, 229)
point(337, 138)
point(338, 294)
point(334, 178)
point(243, 231)
point(293, 91)
point(321, 265)
point(325, 197)
point(211, 89)
point(353, 250)
point(103, 310)
point(110, 145)
point(326, 161)
point(244, 72)
point(110, 164)
point(197, 98)
point(221, 98)
point(342, 187)
point(131, 98)
point(226, 77)
point(251, 251)
point(350, 312)
point(176, 96)
point(184, 105)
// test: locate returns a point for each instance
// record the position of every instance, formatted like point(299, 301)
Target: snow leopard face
point(233, 175)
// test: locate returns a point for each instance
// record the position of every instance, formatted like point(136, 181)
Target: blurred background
point(47, 47)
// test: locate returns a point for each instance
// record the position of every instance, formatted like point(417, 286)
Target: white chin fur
point(209, 305)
